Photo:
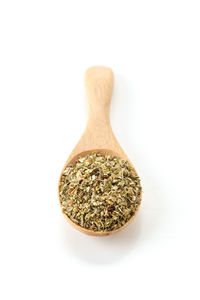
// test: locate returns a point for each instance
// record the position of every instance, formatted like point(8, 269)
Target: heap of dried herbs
point(100, 193)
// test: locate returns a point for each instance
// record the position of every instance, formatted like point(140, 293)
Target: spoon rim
point(70, 162)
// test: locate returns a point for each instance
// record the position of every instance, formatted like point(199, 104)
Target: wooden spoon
point(98, 135)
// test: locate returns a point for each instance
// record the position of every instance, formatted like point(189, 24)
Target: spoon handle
point(98, 88)
point(98, 134)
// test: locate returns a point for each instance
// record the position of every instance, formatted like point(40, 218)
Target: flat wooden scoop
point(98, 135)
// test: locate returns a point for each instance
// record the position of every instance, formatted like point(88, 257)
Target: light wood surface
point(98, 135)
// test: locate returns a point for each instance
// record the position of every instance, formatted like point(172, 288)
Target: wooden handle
point(98, 87)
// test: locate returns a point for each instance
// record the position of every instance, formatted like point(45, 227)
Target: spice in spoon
point(100, 192)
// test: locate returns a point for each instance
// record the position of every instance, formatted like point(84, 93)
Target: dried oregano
point(100, 192)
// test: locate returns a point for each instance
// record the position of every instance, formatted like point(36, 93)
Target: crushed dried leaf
point(100, 192)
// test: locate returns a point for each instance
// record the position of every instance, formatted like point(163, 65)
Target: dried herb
point(100, 192)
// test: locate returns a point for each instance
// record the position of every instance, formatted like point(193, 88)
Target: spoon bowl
point(98, 135)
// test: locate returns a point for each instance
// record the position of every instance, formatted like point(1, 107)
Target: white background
point(153, 48)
